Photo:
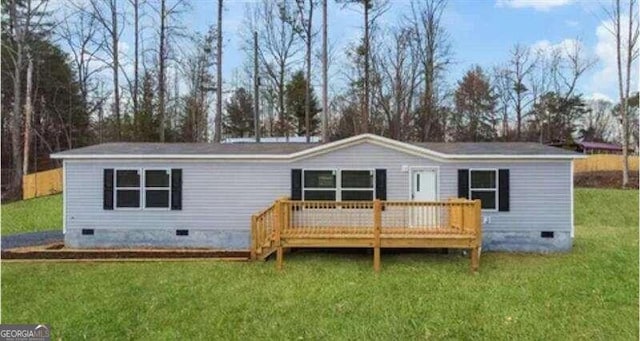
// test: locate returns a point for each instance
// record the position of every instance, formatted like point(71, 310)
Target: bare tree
point(521, 65)
point(595, 125)
point(304, 25)
point(25, 22)
point(503, 87)
point(165, 31)
point(108, 16)
point(277, 50)
point(372, 10)
point(396, 69)
point(626, 53)
point(79, 31)
point(435, 55)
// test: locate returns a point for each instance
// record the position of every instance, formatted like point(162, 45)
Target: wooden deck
point(367, 224)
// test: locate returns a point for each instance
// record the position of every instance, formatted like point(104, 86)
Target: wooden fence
point(42, 183)
point(603, 162)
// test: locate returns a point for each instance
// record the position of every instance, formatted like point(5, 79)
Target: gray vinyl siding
point(222, 195)
point(216, 195)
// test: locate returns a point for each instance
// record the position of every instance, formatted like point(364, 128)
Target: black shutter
point(296, 184)
point(381, 184)
point(107, 189)
point(463, 183)
point(176, 189)
point(503, 190)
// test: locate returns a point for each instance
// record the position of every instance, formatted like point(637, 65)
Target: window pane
point(357, 179)
point(156, 198)
point(357, 195)
point(156, 178)
point(127, 198)
point(483, 179)
point(319, 179)
point(320, 195)
point(487, 198)
point(127, 178)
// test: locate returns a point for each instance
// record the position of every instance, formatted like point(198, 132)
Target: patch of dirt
point(604, 179)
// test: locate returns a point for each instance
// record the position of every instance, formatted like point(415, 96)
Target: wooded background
point(66, 84)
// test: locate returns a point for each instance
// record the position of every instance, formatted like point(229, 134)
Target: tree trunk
point(365, 110)
point(625, 118)
point(28, 110)
point(161, 71)
point(136, 53)
point(623, 106)
point(218, 120)
point(116, 66)
point(325, 105)
point(307, 94)
point(16, 115)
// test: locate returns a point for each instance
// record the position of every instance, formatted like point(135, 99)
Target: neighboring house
point(203, 195)
point(586, 147)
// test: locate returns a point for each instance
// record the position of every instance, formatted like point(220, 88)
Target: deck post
point(477, 231)
point(278, 235)
point(254, 237)
point(377, 222)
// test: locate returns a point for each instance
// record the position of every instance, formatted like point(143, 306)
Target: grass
point(40, 214)
point(589, 293)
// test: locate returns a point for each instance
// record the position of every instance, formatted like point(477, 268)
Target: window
point(127, 188)
point(154, 188)
point(319, 185)
point(332, 185)
point(157, 188)
point(356, 185)
point(483, 185)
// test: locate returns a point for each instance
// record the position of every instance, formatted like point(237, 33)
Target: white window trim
point(496, 189)
point(338, 188)
point(116, 188)
point(145, 188)
point(334, 189)
point(142, 204)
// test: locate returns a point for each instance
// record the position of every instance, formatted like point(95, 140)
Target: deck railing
point(395, 217)
point(455, 223)
point(262, 229)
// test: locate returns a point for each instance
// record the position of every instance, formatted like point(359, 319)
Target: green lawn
point(31, 215)
point(590, 293)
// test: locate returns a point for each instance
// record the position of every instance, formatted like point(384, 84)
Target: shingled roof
point(293, 150)
point(143, 148)
point(493, 148)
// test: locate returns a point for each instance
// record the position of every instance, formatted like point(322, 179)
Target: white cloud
point(546, 47)
point(538, 5)
point(605, 79)
point(597, 96)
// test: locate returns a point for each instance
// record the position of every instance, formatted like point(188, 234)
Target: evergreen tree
point(295, 104)
point(554, 118)
point(238, 120)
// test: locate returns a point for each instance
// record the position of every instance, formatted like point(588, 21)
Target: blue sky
point(482, 32)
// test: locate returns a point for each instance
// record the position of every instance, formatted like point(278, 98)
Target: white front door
point(424, 187)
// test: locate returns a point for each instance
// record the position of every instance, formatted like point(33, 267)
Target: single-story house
point(204, 195)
